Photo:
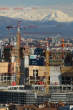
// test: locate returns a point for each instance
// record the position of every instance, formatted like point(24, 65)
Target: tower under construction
point(18, 55)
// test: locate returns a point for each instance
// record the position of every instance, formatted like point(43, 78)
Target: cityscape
point(36, 57)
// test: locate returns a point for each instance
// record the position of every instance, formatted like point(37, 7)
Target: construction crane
point(47, 67)
point(18, 39)
point(18, 55)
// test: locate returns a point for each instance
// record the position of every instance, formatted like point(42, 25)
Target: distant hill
point(36, 23)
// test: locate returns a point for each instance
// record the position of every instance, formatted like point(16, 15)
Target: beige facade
point(6, 67)
point(42, 70)
point(3, 67)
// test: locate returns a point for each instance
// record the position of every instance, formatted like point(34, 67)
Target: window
point(35, 73)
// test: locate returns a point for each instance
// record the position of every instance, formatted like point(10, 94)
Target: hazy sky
point(33, 2)
point(64, 5)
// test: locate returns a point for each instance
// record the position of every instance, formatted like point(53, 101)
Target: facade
point(37, 74)
point(7, 73)
point(55, 75)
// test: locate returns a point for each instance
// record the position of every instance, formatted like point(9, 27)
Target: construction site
point(29, 85)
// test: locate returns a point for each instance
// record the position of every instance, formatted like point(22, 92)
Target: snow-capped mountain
point(36, 14)
point(58, 16)
point(36, 22)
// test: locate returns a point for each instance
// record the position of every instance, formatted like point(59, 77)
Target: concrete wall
point(55, 75)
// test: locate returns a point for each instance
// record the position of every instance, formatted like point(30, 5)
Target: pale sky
point(34, 2)
point(64, 5)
